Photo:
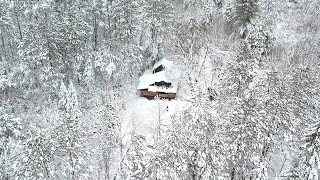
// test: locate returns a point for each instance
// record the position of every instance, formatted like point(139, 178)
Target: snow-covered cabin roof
point(166, 63)
point(147, 80)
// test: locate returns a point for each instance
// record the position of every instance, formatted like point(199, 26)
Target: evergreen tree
point(37, 156)
point(10, 144)
point(312, 160)
point(136, 158)
point(244, 12)
point(71, 159)
point(8, 58)
point(158, 17)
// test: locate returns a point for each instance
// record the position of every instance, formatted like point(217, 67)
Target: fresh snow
point(142, 116)
point(149, 78)
point(166, 63)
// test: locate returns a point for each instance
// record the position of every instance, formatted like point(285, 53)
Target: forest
point(247, 106)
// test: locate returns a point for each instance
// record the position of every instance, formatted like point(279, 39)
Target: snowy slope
point(143, 116)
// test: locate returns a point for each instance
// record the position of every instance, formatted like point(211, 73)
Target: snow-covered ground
point(143, 116)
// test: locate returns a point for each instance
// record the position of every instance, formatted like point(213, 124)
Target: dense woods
point(250, 80)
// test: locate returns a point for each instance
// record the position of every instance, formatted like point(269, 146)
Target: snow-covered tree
point(312, 164)
point(249, 85)
point(136, 162)
point(71, 156)
point(158, 17)
point(244, 12)
point(11, 144)
point(38, 152)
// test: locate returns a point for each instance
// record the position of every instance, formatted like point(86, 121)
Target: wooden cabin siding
point(150, 94)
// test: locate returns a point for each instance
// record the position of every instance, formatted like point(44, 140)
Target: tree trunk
point(18, 23)
point(95, 32)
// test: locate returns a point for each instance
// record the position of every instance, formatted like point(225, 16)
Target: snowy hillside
point(143, 115)
point(159, 90)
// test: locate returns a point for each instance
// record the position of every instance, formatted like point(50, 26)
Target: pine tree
point(109, 134)
point(158, 17)
point(11, 137)
point(312, 160)
point(71, 159)
point(136, 161)
point(243, 122)
point(37, 157)
point(244, 12)
point(9, 42)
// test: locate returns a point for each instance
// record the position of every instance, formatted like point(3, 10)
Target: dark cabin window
point(162, 84)
point(158, 69)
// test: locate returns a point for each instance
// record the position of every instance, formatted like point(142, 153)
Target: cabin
point(156, 81)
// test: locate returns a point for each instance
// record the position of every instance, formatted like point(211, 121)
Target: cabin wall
point(150, 94)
